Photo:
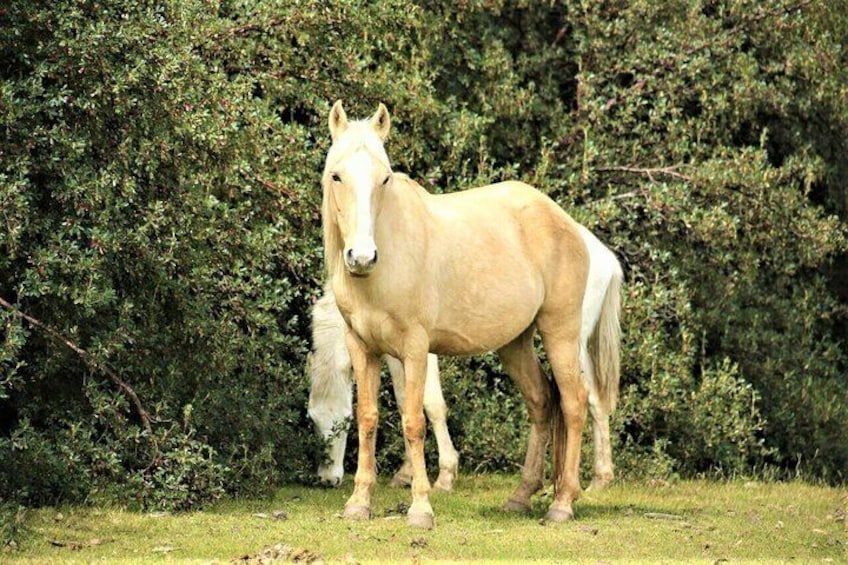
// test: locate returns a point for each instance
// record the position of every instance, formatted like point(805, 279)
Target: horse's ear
point(381, 122)
point(338, 120)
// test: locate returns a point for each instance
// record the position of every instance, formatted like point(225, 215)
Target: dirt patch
point(281, 553)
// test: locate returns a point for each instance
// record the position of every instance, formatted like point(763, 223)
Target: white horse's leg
point(603, 474)
point(603, 469)
point(437, 413)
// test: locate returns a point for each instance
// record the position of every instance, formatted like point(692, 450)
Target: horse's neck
point(402, 230)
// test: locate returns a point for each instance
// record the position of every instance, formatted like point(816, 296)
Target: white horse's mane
point(330, 372)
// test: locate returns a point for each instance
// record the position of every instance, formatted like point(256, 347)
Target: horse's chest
point(373, 325)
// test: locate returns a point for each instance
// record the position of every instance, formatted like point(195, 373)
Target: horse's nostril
point(374, 260)
point(349, 256)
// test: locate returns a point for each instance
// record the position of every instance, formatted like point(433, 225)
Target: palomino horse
point(455, 274)
point(331, 388)
point(330, 403)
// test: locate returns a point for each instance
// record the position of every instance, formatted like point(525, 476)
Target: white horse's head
point(356, 175)
point(330, 408)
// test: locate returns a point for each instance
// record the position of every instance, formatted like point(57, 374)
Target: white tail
point(605, 344)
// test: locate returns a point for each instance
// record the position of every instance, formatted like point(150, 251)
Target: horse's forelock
point(359, 136)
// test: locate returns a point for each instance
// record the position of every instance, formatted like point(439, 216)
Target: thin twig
point(648, 171)
point(276, 188)
point(125, 388)
point(671, 171)
point(625, 195)
point(270, 185)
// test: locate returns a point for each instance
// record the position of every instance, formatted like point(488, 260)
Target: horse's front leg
point(420, 513)
point(403, 478)
point(366, 370)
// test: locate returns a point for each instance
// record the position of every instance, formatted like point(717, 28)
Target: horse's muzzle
point(360, 263)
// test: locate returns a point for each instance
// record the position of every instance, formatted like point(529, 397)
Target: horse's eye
point(336, 177)
point(386, 180)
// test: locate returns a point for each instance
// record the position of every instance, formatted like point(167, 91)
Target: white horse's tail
point(605, 343)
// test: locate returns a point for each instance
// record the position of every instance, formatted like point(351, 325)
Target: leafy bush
point(159, 187)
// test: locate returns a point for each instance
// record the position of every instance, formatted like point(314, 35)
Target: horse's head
point(356, 175)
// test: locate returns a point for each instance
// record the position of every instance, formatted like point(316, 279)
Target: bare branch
point(649, 171)
point(671, 171)
point(123, 386)
point(272, 186)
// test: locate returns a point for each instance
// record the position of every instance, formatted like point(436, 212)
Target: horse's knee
point(413, 426)
point(367, 421)
point(436, 411)
point(575, 412)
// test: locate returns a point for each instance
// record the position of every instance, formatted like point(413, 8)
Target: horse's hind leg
point(601, 447)
point(560, 335)
point(521, 363)
point(603, 471)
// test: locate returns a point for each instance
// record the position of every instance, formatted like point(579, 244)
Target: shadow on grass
point(585, 512)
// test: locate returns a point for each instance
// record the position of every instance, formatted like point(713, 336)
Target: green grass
point(695, 521)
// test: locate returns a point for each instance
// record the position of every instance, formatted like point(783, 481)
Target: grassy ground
point(628, 523)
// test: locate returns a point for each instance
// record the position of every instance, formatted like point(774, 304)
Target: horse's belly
point(487, 327)
point(453, 341)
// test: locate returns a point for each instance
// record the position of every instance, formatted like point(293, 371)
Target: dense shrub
point(159, 170)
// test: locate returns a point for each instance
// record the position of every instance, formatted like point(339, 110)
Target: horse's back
point(512, 213)
point(511, 196)
point(513, 209)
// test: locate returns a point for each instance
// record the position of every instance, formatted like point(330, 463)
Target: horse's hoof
point(599, 483)
point(357, 512)
point(401, 481)
point(444, 483)
point(516, 506)
point(421, 520)
point(559, 515)
point(442, 487)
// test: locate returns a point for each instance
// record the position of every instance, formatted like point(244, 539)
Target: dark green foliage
point(491, 425)
point(159, 166)
point(682, 134)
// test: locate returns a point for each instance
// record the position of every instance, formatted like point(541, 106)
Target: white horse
point(458, 274)
point(330, 395)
